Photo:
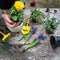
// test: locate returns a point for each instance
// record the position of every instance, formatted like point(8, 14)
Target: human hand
point(8, 21)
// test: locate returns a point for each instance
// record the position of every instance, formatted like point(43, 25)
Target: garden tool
point(5, 36)
point(29, 35)
point(25, 47)
point(26, 29)
point(32, 44)
point(35, 42)
point(19, 46)
point(27, 21)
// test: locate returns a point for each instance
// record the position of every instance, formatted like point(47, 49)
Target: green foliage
point(51, 25)
point(27, 37)
point(33, 43)
point(36, 16)
point(16, 16)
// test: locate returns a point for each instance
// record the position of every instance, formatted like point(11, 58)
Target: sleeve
point(3, 25)
point(1, 20)
point(0, 16)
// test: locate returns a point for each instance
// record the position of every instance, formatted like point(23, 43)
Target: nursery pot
point(34, 20)
point(48, 31)
point(16, 29)
point(55, 41)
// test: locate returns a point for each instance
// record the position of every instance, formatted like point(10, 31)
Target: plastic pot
point(48, 31)
point(55, 41)
point(16, 29)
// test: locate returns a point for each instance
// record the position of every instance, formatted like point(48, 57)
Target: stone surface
point(40, 52)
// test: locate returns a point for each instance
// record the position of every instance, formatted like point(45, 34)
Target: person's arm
point(5, 17)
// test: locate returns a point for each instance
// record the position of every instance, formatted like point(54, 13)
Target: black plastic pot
point(55, 41)
point(48, 31)
point(33, 20)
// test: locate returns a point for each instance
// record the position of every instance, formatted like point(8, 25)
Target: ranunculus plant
point(36, 16)
point(51, 23)
point(16, 11)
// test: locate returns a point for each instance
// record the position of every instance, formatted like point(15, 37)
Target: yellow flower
point(19, 5)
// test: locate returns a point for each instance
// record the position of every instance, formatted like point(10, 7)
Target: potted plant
point(36, 16)
point(51, 23)
point(16, 12)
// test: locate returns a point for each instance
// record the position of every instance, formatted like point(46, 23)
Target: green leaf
point(13, 11)
point(27, 37)
point(14, 18)
point(20, 16)
point(33, 43)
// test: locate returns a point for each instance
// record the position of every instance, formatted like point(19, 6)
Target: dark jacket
point(6, 4)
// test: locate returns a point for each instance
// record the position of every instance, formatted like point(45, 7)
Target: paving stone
point(39, 52)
